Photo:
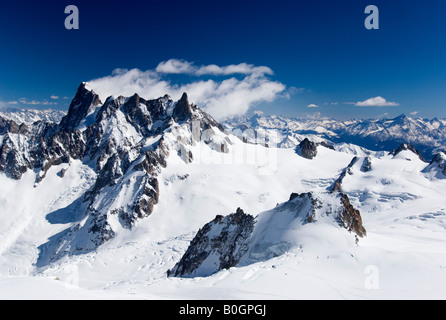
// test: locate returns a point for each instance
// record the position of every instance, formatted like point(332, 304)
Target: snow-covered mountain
point(428, 136)
point(29, 116)
point(125, 141)
point(239, 239)
point(123, 192)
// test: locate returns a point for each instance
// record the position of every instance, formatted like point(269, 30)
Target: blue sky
point(318, 51)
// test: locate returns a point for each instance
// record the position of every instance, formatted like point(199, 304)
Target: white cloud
point(376, 102)
point(312, 106)
point(241, 68)
point(175, 66)
point(222, 98)
point(54, 97)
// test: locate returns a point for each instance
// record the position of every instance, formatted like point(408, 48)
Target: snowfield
point(403, 209)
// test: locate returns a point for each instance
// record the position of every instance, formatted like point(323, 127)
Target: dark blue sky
point(319, 47)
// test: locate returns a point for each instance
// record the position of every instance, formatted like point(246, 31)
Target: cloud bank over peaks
point(222, 91)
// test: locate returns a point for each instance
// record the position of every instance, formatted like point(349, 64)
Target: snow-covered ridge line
point(30, 116)
point(427, 135)
point(239, 239)
point(112, 138)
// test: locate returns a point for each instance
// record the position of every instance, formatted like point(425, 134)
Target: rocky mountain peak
point(221, 250)
point(126, 141)
point(7, 125)
point(438, 165)
point(80, 106)
point(439, 158)
point(401, 117)
point(308, 149)
point(182, 110)
point(408, 146)
point(240, 239)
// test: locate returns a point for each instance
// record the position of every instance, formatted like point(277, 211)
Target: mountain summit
point(125, 140)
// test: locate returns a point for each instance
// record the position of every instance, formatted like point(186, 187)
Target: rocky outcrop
point(363, 163)
point(182, 110)
point(126, 140)
point(338, 183)
point(83, 103)
point(240, 239)
point(350, 217)
point(437, 165)
point(408, 146)
point(308, 149)
point(218, 245)
point(367, 165)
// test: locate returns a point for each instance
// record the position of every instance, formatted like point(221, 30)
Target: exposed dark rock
point(366, 165)
point(12, 161)
point(225, 248)
point(103, 137)
point(408, 146)
point(299, 195)
point(438, 164)
point(308, 149)
point(239, 239)
point(82, 104)
point(328, 146)
point(136, 113)
point(439, 158)
point(337, 185)
point(182, 110)
point(351, 217)
point(62, 173)
point(7, 125)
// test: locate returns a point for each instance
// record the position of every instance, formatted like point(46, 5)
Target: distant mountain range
point(427, 136)
point(29, 116)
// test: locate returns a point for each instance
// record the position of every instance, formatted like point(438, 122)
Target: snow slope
point(402, 210)
point(402, 203)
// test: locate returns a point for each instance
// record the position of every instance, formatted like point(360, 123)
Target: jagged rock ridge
point(308, 149)
point(364, 166)
point(437, 165)
point(427, 135)
point(408, 146)
point(222, 249)
point(240, 239)
point(125, 140)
